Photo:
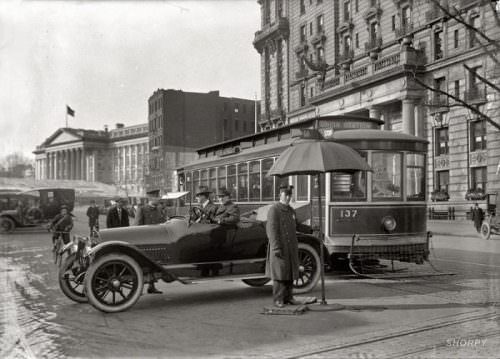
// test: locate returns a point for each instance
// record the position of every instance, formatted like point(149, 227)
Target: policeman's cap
point(223, 192)
point(203, 190)
point(287, 189)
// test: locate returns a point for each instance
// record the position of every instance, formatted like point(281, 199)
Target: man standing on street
point(227, 212)
point(282, 264)
point(93, 214)
point(477, 217)
point(149, 214)
point(117, 215)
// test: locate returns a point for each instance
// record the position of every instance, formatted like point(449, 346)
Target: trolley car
point(377, 214)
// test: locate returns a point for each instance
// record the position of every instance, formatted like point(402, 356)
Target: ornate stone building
point(371, 57)
point(115, 157)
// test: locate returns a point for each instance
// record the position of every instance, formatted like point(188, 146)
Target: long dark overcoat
point(113, 220)
point(227, 213)
point(280, 229)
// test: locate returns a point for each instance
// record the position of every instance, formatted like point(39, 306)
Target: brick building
point(115, 157)
point(181, 122)
point(361, 57)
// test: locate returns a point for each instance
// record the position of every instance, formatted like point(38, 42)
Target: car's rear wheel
point(7, 225)
point(485, 230)
point(257, 282)
point(71, 283)
point(113, 283)
point(309, 269)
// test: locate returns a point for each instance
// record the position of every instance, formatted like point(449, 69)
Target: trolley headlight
point(389, 223)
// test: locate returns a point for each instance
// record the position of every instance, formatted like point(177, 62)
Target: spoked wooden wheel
point(309, 269)
point(7, 225)
point(113, 283)
point(70, 282)
point(485, 230)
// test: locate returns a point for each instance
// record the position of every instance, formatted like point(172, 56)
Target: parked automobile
point(109, 272)
point(38, 207)
point(491, 222)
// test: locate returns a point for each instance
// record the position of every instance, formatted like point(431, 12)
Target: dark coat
point(148, 215)
point(93, 214)
point(113, 221)
point(280, 229)
point(477, 216)
point(62, 225)
point(208, 213)
point(227, 213)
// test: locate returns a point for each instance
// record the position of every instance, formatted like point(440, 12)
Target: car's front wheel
point(309, 269)
point(71, 282)
point(485, 230)
point(7, 225)
point(113, 283)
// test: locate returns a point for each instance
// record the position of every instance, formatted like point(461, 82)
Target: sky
point(105, 58)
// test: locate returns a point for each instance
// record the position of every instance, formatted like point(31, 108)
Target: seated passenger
point(208, 208)
point(227, 212)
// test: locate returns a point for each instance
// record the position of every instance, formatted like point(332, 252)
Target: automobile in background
point(109, 271)
point(39, 205)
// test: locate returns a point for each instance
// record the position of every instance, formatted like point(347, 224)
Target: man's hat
point(286, 188)
point(203, 190)
point(64, 207)
point(224, 192)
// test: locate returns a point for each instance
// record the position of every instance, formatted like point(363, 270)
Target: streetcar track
point(338, 347)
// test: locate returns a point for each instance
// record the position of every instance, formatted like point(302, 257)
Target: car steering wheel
point(195, 214)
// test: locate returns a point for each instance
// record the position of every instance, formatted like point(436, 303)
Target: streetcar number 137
point(348, 213)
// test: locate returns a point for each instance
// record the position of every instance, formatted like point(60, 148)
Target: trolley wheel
point(485, 230)
point(70, 284)
point(113, 283)
point(7, 225)
point(257, 282)
point(309, 269)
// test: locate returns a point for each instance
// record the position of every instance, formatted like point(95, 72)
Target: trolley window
point(196, 181)
point(221, 177)
point(231, 180)
point(189, 182)
point(243, 182)
point(204, 178)
point(348, 186)
point(415, 177)
point(255, 181)
point(212, 180)
point(267, 181)
point(387, 179)
point(301, 182)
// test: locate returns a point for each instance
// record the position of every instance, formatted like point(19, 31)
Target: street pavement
point(441, 316)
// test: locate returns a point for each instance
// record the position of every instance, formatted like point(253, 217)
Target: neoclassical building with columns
point(369, 58)
point(118, 156)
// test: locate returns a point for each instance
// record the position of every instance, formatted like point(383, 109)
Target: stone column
point(78, 164)
point(420, 121)
point(83, 167)
point(408, 116)
point(57, 167)
point(74, 164)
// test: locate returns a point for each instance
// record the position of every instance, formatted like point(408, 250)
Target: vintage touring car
point(111, 270)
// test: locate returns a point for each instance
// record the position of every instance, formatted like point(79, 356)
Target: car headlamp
point(389, 223)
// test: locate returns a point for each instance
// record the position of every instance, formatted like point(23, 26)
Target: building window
point(236, 125)
point(357, 40)
point(473, 79)
point(406, 17)
point(303, 33)
point(267, 11)
point(302, 95)
point(310, 29)
point(478, 135)
point(442, 141)
point(438, 44)
point(439, 99)
point(457, 89)
point(320, 54)
point(347, 14)
point(320, 24)
point(347, 45)
point(279, 8)
point(393, 20)
point(455, 39)
point(373, 31)
point(442, 180)
point(225, 106)
point(319, 2)
point(302, 7)
point(311, 92)
point(356, 5)
point(474, 21)
point(479, 178)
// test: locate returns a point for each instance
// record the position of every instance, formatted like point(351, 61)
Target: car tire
point(7, 225)
point(257, 282)
point(107, 276)
point(485, 230)
point(74, 290)
point(309, 269)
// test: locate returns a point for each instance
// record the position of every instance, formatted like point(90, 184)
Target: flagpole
point(66, 118)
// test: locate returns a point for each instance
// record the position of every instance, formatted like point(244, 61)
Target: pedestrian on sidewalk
point(93, 214)
point(477, 217)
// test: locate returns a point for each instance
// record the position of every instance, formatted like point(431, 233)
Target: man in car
point(207, 207)
point(227, 212)
point(117, 215)
point(282, 264)
point(93, 214)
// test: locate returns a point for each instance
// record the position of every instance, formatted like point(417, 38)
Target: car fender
point(11, 215)
point(132, 251)
point(314, 242)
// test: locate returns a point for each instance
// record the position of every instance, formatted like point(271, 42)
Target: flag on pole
point(70, 111)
